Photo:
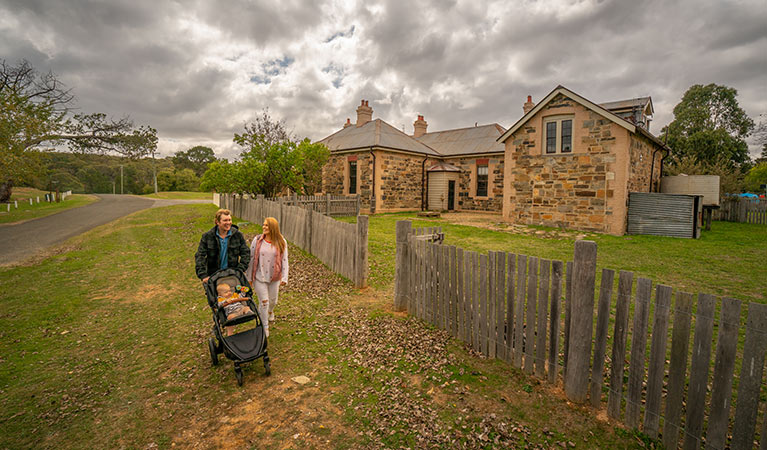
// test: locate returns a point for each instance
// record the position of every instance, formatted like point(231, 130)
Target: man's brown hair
point(222, 212)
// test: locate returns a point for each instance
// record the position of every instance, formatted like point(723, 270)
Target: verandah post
point(581, 321)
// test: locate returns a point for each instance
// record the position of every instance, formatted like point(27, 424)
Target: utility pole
point(121, 179)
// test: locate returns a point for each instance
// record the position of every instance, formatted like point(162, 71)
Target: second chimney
point(348, 123)
point(419, 127)
point(528, 104)
point(364, 113)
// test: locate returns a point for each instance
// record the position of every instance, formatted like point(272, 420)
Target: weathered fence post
point(582, 321)
point(282, 204)
point(361, 257)
point(403, 230)
point(327, 205)
point(750, 378)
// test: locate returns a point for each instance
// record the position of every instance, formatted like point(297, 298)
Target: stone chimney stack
point(348, 123)
point(419, 127)
point(528, 104)
point(364, 113)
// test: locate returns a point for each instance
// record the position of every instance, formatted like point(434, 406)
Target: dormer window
point(558, 136)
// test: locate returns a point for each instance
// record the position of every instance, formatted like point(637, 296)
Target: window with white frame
point(482, 175)
point(558, 134)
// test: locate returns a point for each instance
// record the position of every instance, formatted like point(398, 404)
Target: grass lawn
point(729, 260)
point(25, 211)
point(112, 354)
point(177, 195)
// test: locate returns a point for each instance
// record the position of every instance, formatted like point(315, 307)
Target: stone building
point(458, 169)
point(571, 163)
point(567, 163)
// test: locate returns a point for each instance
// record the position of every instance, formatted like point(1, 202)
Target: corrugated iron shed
point(659, 214)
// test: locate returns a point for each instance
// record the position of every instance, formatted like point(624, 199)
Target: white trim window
point(558, 135)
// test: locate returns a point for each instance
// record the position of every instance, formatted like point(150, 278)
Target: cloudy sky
point(197, 71)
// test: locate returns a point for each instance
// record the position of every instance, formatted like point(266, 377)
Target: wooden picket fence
point(342, 246)
point(329, 205)
point(510, 307)
point(744, 210)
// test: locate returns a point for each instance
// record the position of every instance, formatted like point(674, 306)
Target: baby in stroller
point(233, 303)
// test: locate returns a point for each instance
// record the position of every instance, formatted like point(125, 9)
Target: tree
point(313, 158)
point(36, 114)
point(756, 177)
point(196, 158)
point(271, 161)
point(708, 125)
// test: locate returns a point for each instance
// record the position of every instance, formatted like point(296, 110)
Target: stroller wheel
point(267, 369)
point(238, 374)
point(213, 353)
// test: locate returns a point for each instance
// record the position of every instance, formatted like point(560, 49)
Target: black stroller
point(242, 347)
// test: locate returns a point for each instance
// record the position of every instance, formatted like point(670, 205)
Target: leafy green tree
point(196, 158)
point(220, 177)
point(756, 177)
point(709, 125)
point(36, 114)
point(313, 158)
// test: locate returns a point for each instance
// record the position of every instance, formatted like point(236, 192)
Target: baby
point(232, 302)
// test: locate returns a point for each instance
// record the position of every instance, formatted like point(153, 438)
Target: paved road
point(21, 241)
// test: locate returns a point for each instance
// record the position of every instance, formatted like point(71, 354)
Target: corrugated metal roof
point(443, 167)
point(481, 139)
point(375, 133)
point(627, 104)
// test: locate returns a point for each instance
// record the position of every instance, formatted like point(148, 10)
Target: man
point(221, 247)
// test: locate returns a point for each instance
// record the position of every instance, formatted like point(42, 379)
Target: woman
point(268, 269)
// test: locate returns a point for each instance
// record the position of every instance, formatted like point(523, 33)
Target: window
point(481, 180)
point(352, 177)
point(559, 135)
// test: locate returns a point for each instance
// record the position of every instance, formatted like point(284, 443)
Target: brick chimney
point(528, 104)
point(419, 127)
point(364, 113)
point(348, 123)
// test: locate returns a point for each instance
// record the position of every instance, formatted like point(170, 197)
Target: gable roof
point(471, 140)
point(375, 133)
point(572, 95)
point(601, 110)
point(644, 103)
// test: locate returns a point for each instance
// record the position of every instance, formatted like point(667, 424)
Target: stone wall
point(640, 164)
point(335, 176)
point(400, 181)
point(467, 199)
point(565, 190)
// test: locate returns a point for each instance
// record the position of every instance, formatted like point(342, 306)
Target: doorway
point(450, 195)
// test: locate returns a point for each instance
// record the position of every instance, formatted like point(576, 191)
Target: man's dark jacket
point(207, 260)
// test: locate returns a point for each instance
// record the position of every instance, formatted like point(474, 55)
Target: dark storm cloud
point(198, 70)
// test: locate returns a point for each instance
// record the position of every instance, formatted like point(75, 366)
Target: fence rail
point(342, 246)
point(329, 205)
point(744, 210)
point(509, 307)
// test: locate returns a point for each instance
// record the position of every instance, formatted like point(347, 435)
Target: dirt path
point(392, 376)
point(21, 241)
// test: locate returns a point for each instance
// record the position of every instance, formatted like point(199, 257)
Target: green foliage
point(196, 158)
point(35, 114)
point(270, 162)
point(709, 125)
point(177, 180)
point(756, 177)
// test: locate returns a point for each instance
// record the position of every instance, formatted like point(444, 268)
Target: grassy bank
point(103, 346)
point(726, 261)
point(178, 195)
point(25, 211)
